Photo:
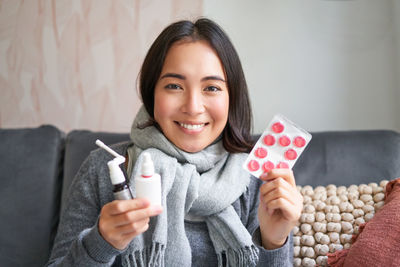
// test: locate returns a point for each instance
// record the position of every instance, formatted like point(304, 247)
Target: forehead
point(193, 57)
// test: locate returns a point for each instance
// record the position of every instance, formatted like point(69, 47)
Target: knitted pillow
point(378, 243)
point(331, 215)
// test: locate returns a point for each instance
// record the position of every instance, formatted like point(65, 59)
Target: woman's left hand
point(280, 207)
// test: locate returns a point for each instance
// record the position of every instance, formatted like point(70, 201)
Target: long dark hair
point(237, 132)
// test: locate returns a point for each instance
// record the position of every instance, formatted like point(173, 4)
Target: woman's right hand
point(122, 220)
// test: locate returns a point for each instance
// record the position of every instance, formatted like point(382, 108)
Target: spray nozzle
point(116, 174)
point(118, 158)
point(147, 165)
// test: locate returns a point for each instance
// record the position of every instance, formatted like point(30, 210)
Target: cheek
point(161, 107)
point(220, 110)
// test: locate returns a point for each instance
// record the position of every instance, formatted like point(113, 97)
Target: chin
point(191, 149)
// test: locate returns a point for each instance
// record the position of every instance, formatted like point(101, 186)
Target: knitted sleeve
point(78, 241)
point(282, 256)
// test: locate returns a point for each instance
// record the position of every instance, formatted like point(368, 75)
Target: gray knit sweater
point(79, 243)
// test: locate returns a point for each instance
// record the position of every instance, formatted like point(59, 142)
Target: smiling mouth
point(192, 126)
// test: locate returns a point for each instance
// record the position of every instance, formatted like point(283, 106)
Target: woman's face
point(191, 98)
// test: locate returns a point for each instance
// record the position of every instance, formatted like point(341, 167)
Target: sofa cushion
point(30, 189)
point(79, 143)
point(349, 157)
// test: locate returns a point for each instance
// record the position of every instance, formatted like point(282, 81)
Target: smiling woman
point(208, 56)
point(195, 123)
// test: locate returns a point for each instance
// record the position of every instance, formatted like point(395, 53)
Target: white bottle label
point(149, 188)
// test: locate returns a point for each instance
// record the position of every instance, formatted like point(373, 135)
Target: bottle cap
point(147, 166)
point(116, 175)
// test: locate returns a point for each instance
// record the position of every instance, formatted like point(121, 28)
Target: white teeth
point(191, 126)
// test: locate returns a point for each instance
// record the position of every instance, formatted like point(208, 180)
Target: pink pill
point(253, 165)
point(284, 140)
point(260, 152)
point(267, 166)
point(290, 154)
point(277, 127)
point(269, 140)
point(282, 165)
point(299, 141)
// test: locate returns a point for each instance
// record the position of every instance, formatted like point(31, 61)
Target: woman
point(195, 122)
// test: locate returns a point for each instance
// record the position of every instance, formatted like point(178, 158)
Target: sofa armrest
point(30, 189)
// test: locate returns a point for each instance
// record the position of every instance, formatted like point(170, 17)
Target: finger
point(131, 235)
point(127, 237)
point(121, 237)
point(121, 206)
point(136, 215)
point(277, 193)
point(136, 227)
point(289, 211)
point(286, 174)
point(277, 183)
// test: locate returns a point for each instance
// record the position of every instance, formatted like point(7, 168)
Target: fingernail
point(157, 208)
point(145, 202)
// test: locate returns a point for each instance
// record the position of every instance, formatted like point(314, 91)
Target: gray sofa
point(37, 166)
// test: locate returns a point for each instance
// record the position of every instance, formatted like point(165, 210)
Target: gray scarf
point(202, 184)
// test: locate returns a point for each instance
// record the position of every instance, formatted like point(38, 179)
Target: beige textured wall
point(74, 63)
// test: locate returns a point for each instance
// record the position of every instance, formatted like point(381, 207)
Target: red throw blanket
point(378, 242)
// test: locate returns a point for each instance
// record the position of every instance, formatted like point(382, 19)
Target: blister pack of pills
point(280, 145)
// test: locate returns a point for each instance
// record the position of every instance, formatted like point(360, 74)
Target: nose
point(193, 103)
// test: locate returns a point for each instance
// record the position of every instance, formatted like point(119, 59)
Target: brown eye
point(172, 86)
point(212, 89)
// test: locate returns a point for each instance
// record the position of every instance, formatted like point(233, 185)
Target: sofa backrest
point(349, 157)
point(340, 157)
point(30, 190)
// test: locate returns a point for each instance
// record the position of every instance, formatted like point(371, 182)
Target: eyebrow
point(173, 75)
point(182, 77)
point(213, 77)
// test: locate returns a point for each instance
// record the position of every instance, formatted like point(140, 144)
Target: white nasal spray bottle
point(121, 189)
point(148, 184)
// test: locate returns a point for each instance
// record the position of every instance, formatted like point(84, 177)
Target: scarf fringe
point(152, 256)
point(243, 257)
